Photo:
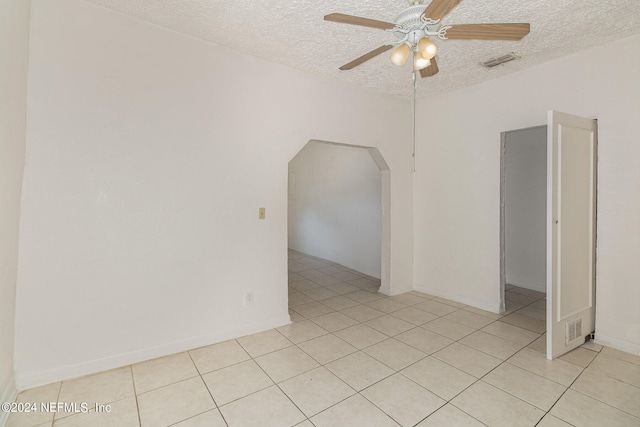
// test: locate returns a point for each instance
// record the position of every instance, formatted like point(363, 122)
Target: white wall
point(456, 187)
point(526, 208)
point(335, 205)
point(14, 60)
point(148, 156)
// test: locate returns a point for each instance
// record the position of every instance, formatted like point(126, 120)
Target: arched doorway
point(338, 213)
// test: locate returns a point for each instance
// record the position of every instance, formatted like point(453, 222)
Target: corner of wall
point(9, 394)
point(14, 68)
point(483, 305)
point(608, 341)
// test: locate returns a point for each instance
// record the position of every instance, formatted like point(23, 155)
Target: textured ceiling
point(293, 33)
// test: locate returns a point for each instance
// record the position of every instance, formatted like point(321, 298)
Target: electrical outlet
point(248, 297)
point(261, 213)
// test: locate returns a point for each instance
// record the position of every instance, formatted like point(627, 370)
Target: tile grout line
point(135, 395)
point(200, 374)
point(591, 397)
point(277, 385)
point(569, 387)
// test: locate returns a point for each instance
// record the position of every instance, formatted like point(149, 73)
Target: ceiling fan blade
point(487, 31)
point(356, 20)
point(366, 57)
point(437, 9)
point(431, 69)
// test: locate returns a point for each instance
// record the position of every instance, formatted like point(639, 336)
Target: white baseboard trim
point(392, 292)
point(8, 395)
point(483, 305)
point(540, 287)
point(35, 379)
point(618, 344)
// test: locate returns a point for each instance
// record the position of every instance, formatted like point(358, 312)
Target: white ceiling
point(294, 33)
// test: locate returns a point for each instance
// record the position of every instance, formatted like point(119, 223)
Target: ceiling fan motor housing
point(409, 21)
point(410, 16)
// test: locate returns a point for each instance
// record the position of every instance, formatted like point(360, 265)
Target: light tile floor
point(354, 357)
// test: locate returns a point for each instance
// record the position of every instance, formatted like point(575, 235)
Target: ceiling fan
point(416, 24)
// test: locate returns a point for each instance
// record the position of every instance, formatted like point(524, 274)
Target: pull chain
point(415, 86)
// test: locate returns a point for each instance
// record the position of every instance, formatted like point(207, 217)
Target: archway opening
point(338, 224)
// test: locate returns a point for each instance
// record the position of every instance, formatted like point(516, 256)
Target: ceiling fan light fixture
point(427, 48)
point(400, 54)
point(419, 62)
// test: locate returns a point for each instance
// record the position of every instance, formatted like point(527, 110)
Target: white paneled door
point(571, 231)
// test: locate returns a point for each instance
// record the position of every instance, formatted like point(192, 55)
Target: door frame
point(503, 141)
point(503, 225)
